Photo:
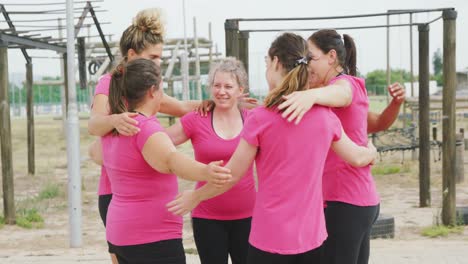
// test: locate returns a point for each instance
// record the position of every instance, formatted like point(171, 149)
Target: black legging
point(161, 252)
point(257, 256)
point(348, 228)
point(216, 239)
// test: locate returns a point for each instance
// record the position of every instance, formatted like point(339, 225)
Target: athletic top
point(238, 202)
point(341, 181)
point(102, 87)
point(288, 217)
point(137, 213)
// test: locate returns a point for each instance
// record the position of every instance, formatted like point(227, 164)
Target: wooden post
point(81, 49)
point(65, 83)
point(5, 140)
point(30, 114)
point(460, 162)
point(244, 49)
point(231, 28)
point(448, 119)
point(424, 127)
point(170, 92)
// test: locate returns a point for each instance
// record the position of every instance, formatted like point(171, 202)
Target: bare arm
point(101, 122)
point(95, 151)
point(355, 155)
point(174, 107)
point(176, 133)
point(297, 104)
point(379, 122)
point(162, 156)
point(239, 164)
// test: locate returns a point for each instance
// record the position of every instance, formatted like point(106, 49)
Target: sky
point(371, 43)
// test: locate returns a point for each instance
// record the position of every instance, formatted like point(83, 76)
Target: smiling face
point(225, 90)
point(152, 52)
point(320, 66)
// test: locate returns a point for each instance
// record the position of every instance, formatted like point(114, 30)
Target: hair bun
point(150, 20)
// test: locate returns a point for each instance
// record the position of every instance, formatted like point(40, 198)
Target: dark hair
point(291, 51)
point(328, 39)
point(147, 29)
point(129, 84)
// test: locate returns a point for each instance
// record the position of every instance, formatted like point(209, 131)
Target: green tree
point(376, 81)
point(437, 62)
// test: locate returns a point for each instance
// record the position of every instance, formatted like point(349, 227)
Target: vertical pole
point(411, 55)
point(73, 138)
point(424, 127)
point(460, 175)
point(244, 49)
point(231, 28)
point(63, 87)
point(30, 114)
point(448, 120)
point(5, 140)
point(197, 60)
point(184, 65)
point(388, 55)
point(170, 92)
point(82, 62)
point(210, 37)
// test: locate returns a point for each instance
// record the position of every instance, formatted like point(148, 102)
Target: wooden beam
point(5, 140)
point(448, 120)
point(424, 126)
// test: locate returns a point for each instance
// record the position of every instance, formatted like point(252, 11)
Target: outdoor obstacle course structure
point(237, 44)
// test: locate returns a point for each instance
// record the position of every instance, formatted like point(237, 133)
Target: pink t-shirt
point(137, 213)
point(288, 216)
point(341, 181)
point(102, 87)
point(238, 202)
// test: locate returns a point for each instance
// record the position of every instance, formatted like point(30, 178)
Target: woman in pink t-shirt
point(141, 171)
point(352, 202)
point(143, 39)
point(221, 225)
point(288, 224)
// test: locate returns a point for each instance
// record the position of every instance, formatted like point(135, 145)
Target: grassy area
point(441, 230)
point(377, 103)
point(386, 169)
point(2, 221)
point(29, 218)
point(50, 191)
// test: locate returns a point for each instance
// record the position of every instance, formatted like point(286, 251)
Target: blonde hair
point(147, 29)
point(230, 65)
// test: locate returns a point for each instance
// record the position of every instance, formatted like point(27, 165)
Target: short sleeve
point(147, 129)
point(188, 122)
point(335, 126)
point(103, 85)
point(252, 130)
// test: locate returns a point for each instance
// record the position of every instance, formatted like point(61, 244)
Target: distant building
point(433, 89)
point(462, 80)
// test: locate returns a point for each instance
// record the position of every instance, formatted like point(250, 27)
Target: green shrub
point(29, 218)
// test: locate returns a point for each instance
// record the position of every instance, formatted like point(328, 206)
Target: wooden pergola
point(237, 45)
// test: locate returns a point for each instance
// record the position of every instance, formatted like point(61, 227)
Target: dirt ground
point(399, 193)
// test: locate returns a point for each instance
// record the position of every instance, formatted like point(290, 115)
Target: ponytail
point(295, 80)
point(350, 60)
point(130, 83)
